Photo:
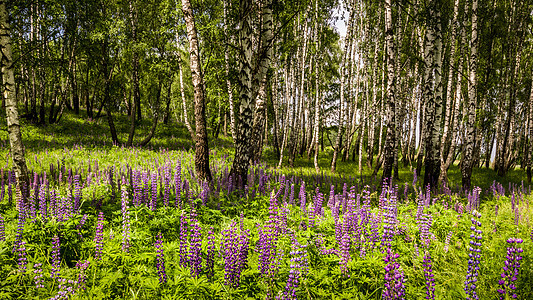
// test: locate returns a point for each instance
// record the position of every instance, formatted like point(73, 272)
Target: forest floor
point(74, 131)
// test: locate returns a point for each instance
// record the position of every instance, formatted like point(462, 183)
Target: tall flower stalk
point(160, 259)
point(510, 270)
point(474, 257)
point(56, 257)
point(125, 222)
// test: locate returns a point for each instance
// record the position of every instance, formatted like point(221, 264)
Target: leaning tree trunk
point(201, 154)
point(390, 98)
point(12, 116)
point(466, 165)
point(241, 161)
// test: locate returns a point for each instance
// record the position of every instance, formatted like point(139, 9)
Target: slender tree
point(390, 97)
point(467, 163)
point(201, 157)
point(8, 93)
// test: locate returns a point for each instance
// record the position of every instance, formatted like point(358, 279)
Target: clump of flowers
point(2, 228)
point(510, 270)
point(234, 248)
point(82, 277)
point(210, 259)
point(195, 255)
point(125, 222)
point(38, 277)
point(160, 259)
point(298, 268)
point(394, 278)
point(22, 260)
point(428, 274)
point(474, 257)
point(99, 237)
point(56, 257)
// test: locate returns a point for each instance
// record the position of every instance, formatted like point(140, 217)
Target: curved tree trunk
point(12, 116)
point(201, 154)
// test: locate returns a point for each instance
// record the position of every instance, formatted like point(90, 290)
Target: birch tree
point(467, 163)
point(390, 95)
point(8, 95)
point(201, 153)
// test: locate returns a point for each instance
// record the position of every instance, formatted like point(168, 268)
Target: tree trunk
point(201, 157)
point(184, 103)
point(12, 116)
point(433, 98)
point(466, 165)
point(391, 102)
point(530, 138)
point(342, 104)
point(448, 160)
point(265, 56)
point(228, 81)
point(449, 92)
point(136, 108)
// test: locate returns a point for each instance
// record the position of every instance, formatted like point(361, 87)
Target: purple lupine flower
point(99, 237)
point(390, 218)
point(266, 246)
point(2, 229)
point(166, 180)
point(80, 225)
point(447, 241)
point(56, 257)
point(474, 257)
point(230, 254)
point(394, 278)
point(184, 261)
point(38, 275)
point(205, 192)
point(210, 259)
point(160, 259)
point(20, 231)
point(137, 188)
point(298, 267)
point(42, 201)
point(345, 253)
point(302, 196)
point(2, 185)
point(146, 188)
point(195, 254)
point(291, 196)
point(153, 199)
point(82, 277)
point(77, 192)
point(54, 210)
point(21, 253)
point(177, 184)
point(66, 288)
point(510, 270)
point(125, 221)
point(428, 274)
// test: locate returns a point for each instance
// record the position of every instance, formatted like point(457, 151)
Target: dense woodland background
point(425, 83)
